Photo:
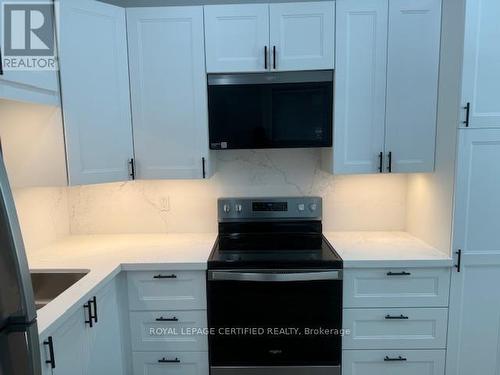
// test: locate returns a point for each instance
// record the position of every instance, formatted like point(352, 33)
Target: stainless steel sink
point(48, 285)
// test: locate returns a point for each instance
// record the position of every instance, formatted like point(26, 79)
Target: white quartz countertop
point(104, 256)
point(385, 249)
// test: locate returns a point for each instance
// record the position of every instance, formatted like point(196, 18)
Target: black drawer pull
point(164, 360)
point(400, 317)
point(404, 273)
point(165, 276)
point(162, 319)
point(52, 360)
point(396, 359)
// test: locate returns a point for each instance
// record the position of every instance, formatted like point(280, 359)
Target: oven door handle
point(274, 276)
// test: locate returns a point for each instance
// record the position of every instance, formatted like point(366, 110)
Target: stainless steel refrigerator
point(19, 346)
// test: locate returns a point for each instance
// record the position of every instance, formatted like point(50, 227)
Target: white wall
point(430, 196)
point(32, 144)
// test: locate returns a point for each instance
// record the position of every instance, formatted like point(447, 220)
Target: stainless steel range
point(274, 290)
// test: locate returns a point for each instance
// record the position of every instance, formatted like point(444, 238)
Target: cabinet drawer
point(175, 363)
point(169, 330)
point(167, 290)
point(378, 362)
point(395, 328)
point(390, 287)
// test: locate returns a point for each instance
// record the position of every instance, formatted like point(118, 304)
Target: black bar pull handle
point(274, 57)
point(160, 276)
point(380, 161)
point(265, 57)
point(162, 319)
point(131, 164)
point(164, 360)
point(90, 321)
point(204, 173)
point(1, 62)
point(467, 115)
point(400, 317)
point(458, 266)
point(94, 302)
point(403, 273)
point(52, 360)
point(394, 359)
point(389, 167)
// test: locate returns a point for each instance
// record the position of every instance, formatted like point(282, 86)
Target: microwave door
point(16, 293)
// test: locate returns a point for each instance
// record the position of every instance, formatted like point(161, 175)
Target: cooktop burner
point(272, 233)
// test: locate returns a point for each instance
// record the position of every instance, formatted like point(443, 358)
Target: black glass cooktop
point(263, 246)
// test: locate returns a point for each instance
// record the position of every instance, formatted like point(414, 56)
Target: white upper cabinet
point(360, 80)
point(263, 37)
point(302, 35)
point(95, 88)
point(386, 86)
point(237, 38)
point(481, 65)
point(412, 84)
point(169, 92)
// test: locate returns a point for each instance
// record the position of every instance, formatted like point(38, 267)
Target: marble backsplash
point(361, 202)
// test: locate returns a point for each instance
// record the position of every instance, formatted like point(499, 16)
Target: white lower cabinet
point(393, 362)
point(79, 349)
point(167, 317)
point(396, 321)
point(414, 328)
point(70, 347)
point(105, 337)
point(171, 363)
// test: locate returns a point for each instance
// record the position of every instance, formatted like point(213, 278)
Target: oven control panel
point(285, 208)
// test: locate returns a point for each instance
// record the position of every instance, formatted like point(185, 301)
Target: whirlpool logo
point(28, 36)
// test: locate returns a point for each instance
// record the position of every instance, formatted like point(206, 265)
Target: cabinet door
point(377, 362)
point(302, 35)
point(95, 87)
point(105, 339)
point(481, 65)
point(169, 93)
point(361, 32)
point(474, 325)
point(71, 346)
point(237, 37)
point(412, 84)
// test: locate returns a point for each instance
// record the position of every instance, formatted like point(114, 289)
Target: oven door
point(270, 110)
point(267, 321)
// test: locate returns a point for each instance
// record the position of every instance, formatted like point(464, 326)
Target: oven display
point(269, 206)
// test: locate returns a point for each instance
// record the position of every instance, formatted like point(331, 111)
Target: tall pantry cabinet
point(474, 322)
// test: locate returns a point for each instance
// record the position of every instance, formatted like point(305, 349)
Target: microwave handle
point(274, 276)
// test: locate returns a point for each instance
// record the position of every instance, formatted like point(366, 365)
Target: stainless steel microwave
point(270, 110)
